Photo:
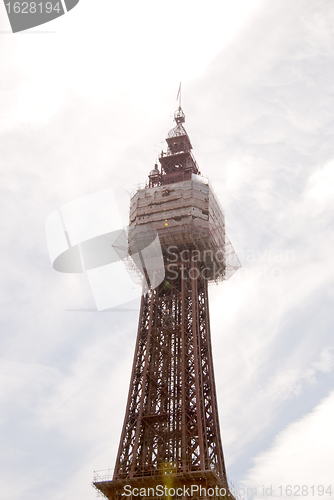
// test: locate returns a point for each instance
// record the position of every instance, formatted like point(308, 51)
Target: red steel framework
point(171, 432)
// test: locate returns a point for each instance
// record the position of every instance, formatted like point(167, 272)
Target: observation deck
point(187, 218)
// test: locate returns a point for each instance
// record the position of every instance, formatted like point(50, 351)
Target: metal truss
point(172, 414)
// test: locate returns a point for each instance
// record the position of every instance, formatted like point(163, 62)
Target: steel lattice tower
point(171, 431)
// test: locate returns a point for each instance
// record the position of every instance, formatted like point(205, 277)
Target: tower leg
point(171, 428)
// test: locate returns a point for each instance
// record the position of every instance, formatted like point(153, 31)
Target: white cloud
point(302, 454)
point(326, 361)
point(322, 188)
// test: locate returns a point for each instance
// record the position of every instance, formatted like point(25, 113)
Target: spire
point(178, 97)
point(177, 163)
point(179, 116)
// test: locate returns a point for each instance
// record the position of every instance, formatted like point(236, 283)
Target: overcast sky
point(86, 102)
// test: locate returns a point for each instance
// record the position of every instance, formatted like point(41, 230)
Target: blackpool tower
point(170, 445)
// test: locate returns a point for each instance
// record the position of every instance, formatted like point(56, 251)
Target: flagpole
point(179, 95)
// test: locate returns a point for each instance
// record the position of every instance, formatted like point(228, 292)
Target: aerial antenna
point(178, 97)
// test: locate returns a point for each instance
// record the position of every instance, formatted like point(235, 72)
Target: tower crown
point(177, 163)
point(180, 205)
point(178, 139)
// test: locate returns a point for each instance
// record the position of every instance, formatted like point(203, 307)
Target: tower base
point(194, 485)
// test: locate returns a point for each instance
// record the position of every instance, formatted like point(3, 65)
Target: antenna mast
point(179, 96)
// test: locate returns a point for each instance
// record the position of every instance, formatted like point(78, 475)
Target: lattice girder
point(172, 410)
